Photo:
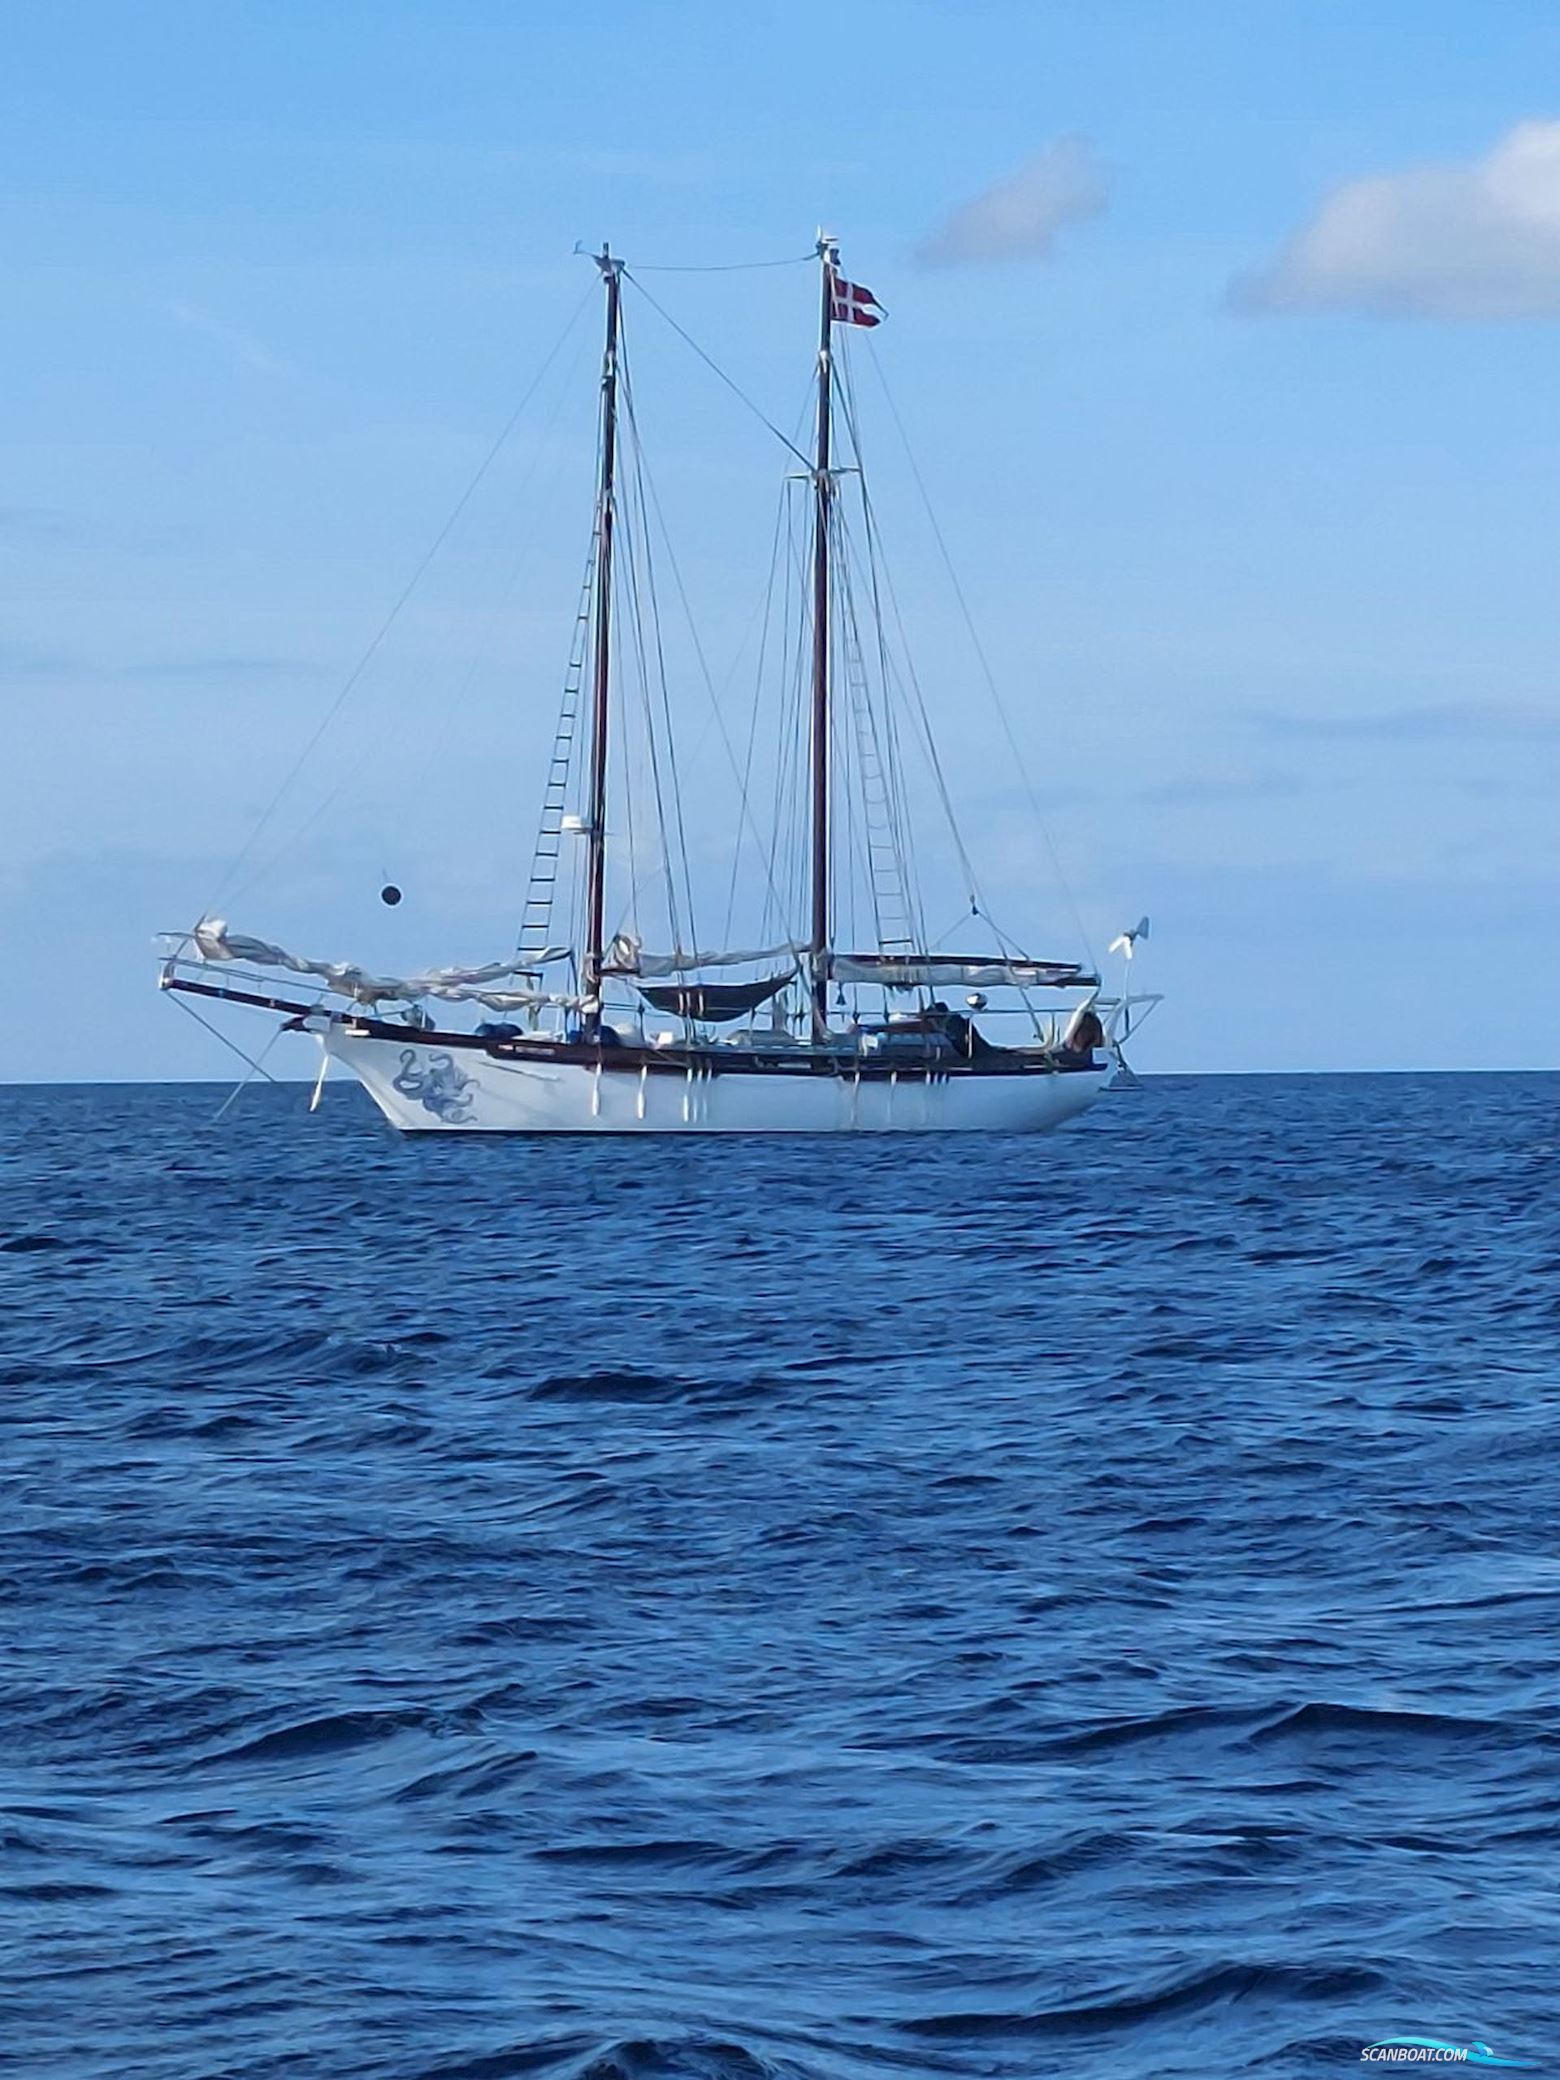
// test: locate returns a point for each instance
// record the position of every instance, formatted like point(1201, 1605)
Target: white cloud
point(1479, 240)
point(1018, 218)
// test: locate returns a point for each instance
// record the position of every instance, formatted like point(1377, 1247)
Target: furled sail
point(625, 956)
point(957, 970)
point(214, 941)
point(511, 999)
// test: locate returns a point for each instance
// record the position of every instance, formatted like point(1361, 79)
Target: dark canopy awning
point(714, 1002)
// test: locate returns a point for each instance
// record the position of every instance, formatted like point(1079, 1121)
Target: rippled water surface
point(821, 1610)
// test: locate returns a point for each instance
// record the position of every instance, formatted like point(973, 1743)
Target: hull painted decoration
point(422, 1091)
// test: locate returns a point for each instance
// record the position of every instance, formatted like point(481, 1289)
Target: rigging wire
point(367, 656)
point(642, 477)
point(745, 781)
point(867, 752)
point(920, 713)
point(632, 917)
point(727, 267)
point(394, 740)
point(734, 387)
point(231, 1045)
point(779, 561)
point(698, 651)
point(895, 793)
point(630, 636)
point(634, 616)
point(985, 663)
point(978, 906)
point(784, 859)
point(849, 846)
point(542, 888)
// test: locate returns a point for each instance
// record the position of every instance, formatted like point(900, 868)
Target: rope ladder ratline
point(541, 893)
point(881, 573)
point(887, 751)
point(895, 885)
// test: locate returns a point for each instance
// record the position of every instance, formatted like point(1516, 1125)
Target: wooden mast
point(596, 829)
point(818, 936)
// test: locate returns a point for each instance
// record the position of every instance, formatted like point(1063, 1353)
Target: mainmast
point(596, 827)
point(818, 936)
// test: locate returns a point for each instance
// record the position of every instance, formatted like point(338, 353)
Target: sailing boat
point(595, 1034)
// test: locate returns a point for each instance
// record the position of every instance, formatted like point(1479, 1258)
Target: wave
point(577, 2057)
point(618, 1386)
point(480, 1777)
point(334, 1733)
point(1173, 1996)
point(1180, 1722)
point(688, 2058)
point(614, 1854)
point(535, 1649)
point(1391, 1725)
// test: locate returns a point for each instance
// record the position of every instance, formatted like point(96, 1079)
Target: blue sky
point(1250, 469)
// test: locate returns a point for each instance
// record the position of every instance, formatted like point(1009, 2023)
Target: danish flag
point(850, 304)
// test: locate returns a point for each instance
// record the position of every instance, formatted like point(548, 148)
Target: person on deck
point(1084, 1035)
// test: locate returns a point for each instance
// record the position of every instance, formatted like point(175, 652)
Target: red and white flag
point(850, 304)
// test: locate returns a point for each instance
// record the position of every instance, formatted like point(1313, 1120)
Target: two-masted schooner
point(584, 1030)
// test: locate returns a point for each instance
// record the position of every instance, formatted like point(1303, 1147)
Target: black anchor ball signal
point(390, 894)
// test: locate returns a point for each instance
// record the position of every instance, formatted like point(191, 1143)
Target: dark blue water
point(840, 1610)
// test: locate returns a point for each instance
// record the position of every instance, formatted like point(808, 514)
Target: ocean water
point(831, 1611)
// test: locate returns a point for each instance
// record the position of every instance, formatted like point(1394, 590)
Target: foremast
point(596, 812)
point(823, 492)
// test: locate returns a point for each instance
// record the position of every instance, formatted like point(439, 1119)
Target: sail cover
point(716, 1001)
point(215, 941)
point(957, 970)
point(625, 956)
point(895, 970)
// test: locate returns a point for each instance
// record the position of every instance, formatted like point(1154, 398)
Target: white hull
point(437, 1090)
